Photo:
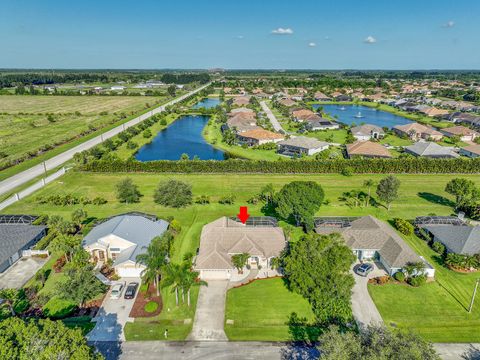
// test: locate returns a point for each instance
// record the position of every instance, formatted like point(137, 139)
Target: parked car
point(131, 290)
point(116, 292)
point(365, 269)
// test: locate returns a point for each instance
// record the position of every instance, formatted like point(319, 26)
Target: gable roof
point(459, 130)
point(304, 142)
point(427, 148)
point(261, 134)
point(369, 233)
point(368, 148)
point(366, 130)
point(136, 229)
point(474, 149)
point(459, 239)
point(14, 237)
point(225, 237)
point(417, 128)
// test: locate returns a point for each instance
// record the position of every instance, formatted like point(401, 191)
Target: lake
point(347, 115)
point(183, 136)
point(207, 103)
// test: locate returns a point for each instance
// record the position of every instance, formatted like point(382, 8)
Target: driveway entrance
point(210, 313)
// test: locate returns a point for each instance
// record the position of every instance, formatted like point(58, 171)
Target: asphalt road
point(31, 173)
point(230, 350)
point(276, 125)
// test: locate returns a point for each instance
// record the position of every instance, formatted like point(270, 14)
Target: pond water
point(184, 136)
point(359, 114)
point(207, 103)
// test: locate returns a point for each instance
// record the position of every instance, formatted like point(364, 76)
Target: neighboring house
point(367, 132)
point(464, 133)
point(258, 137)
point(242, 110)
point(287, 102)
point(121, 239)
point(434, 112)
point(225, 237)
point(322, 124)
point(302, 114)
point(457, 236)
point(343, 97)
point(301, 145)
point(319, 96)
point(241, 101)
point(465, 118)
point(117, 88)
point(431, 150)
point(17, 235)
point(241, 122)
point(372, 239)
point(367, 149)
point(416, 131)
point(472, 151)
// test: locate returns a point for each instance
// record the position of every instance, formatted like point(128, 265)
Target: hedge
point(327, 166)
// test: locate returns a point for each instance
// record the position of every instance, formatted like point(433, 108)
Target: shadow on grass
point(436, 199)
point(452, 295)
point(301, 331)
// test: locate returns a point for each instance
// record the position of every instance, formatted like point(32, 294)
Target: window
point(114, 250)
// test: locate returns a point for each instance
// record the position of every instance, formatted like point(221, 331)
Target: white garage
point(129, 269)
point(214, 274)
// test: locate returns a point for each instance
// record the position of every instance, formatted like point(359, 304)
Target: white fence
point(31, 189)
point(28, 253)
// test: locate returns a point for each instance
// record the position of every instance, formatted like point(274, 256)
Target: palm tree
point(369, 183)
point(9, 297)
point(190, 278)
point(154, 259)
point(173, 275)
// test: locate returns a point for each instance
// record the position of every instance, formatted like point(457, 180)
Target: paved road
point(276, 125)
point(210, 313)
point(31, 173)
point(194, 350)
point(364, 310)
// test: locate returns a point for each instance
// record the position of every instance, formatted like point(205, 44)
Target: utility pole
point(473, 296)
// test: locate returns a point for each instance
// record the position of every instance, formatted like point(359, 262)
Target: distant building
point(301, 145)
point(319, 96)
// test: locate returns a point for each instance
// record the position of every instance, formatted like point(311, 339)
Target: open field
point(30, 123)
point(419, 195)
point(261, 310)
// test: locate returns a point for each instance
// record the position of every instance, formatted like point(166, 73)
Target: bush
point(403, 226)
point(399, 276)
point(132, 145)
point(147, 134)
point(59, 264)
point(57, 308)
point(227, 200)
point(418, 280)
point(99, 201)
point(151, 307)
point(438, 247)
point(127, 191)
point(347, 171)
point(202, 200)
point(175, 226)
point(45, 241)
point(173, 193)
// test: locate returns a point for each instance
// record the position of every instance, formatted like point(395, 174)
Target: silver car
point(116, 292)
point(365, 269)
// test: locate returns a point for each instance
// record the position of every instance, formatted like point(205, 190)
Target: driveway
point(210, 313)
point(20, 272)
point(364, 310)
point(112, 317)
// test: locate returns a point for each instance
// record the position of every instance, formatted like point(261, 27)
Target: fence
point(28, 253)
point(31, 189)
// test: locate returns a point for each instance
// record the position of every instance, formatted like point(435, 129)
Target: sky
point(234, 34)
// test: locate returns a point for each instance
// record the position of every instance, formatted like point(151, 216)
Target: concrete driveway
point(364, 310)
point(112, 317)
point(210, 313)
point(20, 272)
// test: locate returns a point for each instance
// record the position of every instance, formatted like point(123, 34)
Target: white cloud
point(282, 31)
point(327, 37)
point(240, 37)
point(449, 24)
point(370, 40)
point(312, 44)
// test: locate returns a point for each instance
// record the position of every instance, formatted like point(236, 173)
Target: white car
point(116, 292)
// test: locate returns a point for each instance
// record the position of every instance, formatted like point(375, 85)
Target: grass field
point(27, 123)
point(419, 195)
point(261, 310)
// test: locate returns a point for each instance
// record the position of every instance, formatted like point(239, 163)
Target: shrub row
point(358, 166)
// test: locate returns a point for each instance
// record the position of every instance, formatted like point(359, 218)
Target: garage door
point(129, 271)
point(215, 274)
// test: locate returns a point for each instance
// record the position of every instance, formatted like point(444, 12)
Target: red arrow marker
point(243, 215)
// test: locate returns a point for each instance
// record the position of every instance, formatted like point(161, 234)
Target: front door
point(101, 255)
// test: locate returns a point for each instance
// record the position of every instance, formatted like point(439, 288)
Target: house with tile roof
point(372, 239)
point(472, 151)
point(225, 237)
point(367, 149)
point(301, 145)
point(258, 137)
point(464, 133)
point(416, 131)
point(367, 131)
point(121, 239)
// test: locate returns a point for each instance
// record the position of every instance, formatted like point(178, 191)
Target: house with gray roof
point(16, 237)
point(372, 239)
point(457, 238)
point(122, 238)
point(367, 131)
point(301, 145)
point(225, 237)
point(431, 150)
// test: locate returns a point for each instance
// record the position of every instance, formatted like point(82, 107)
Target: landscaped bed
point(147, 303)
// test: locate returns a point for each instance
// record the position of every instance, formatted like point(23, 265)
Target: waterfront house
point(465, 134)
point(258, 137)
point(367, 132)
point(416, 131)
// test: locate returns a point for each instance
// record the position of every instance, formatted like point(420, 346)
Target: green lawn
point(260, 311)
point(336, 136)
point(395, 141)
point(436, 311)
point(418, 195)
